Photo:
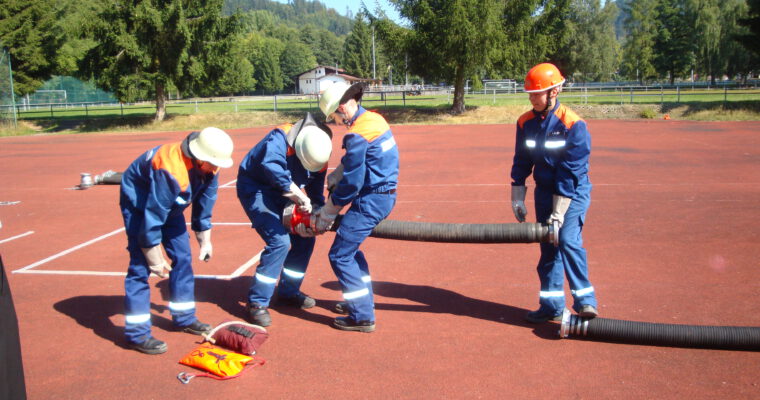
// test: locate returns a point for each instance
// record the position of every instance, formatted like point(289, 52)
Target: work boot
point(258, 315)
point(542, 315)
point(348, 324)
point(301, 300)
point(588, 311)
point(151, 345)
point(196, 328)
point(341, 307)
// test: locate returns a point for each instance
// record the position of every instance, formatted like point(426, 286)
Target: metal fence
point(412, 96)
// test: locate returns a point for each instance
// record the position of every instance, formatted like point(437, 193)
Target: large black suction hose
point(461, 233)
point(619, 331)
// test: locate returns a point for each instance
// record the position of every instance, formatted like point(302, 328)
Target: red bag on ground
point(223, 364)
point(240, 337)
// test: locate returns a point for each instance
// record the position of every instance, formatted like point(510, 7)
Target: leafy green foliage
point(28, 31)
point(357, 50)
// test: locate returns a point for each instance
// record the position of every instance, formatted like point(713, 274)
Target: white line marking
point(63, 253)
point(17, 236)
point(247, 265)
point(97, 273)
point(228, 184)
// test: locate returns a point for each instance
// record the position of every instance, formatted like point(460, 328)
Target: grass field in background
point(399, 108)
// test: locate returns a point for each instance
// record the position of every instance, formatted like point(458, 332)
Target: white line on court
point(63, 253)
point(17, 236)
point(229, 184)
point(247, 265)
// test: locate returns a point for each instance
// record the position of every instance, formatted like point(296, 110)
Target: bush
point(648, 113)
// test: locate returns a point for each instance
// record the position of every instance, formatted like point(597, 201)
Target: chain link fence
point(7, 99)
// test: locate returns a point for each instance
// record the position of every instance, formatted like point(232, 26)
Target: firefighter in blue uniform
point(366, 178)
point(554, 144)
point(155, 190)
point(288, 165)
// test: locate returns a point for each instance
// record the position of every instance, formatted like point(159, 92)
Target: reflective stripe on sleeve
point(554, 144)
point(388, 144)
point(530, 143)
point(366, 278)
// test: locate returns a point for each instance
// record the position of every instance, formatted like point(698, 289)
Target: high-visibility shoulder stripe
point(525, 118)
point(370, 125)
point(170, 158)
point(286, 128)
point(567, 116)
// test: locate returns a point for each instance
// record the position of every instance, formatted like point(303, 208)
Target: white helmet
point(212, 145)
point(331, 97)
point(313, 147)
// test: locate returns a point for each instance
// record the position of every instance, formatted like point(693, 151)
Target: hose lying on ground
point(619, 331)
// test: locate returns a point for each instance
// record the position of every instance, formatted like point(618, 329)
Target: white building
point(316, 80)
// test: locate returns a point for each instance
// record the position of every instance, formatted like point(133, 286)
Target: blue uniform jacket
point(163, 183)
point(370, 164)
point(271, 165)
point(555, 149)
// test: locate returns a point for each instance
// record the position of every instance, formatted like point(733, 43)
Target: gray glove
point(204, 242)
point(156, 261)
point(326, 216)
point(560, 204)
point(297, 196)
point(518, 202)
point(334, 177)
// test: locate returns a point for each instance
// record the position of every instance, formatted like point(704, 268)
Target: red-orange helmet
point(543, 77)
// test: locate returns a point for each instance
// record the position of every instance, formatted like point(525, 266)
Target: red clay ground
point(672, 238)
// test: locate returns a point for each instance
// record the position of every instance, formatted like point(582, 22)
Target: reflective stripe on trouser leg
point(550, 272)
point(364, 267)
point(574, 261)
point(137, 322)
point(269, 227)
point(181, 279)
point(294, 268)
point(355, 290)
point(551, 275)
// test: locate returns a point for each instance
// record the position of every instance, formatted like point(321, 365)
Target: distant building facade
point(316, 80)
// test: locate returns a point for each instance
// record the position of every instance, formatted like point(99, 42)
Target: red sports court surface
point(672, 237)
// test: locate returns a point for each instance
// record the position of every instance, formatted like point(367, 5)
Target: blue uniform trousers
point(285, 255)
point(181, 279)
point(567, 259)
point(348, 262)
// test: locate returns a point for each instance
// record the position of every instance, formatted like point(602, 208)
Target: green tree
point(297, 58)
point(751, 38)
point(357, 49)
point(594, 52)
point(708, 41)
point(146, 47)
point(452, 39)
point(28, 30)
point(264, 53)
point(674, 42)
point(638, 49)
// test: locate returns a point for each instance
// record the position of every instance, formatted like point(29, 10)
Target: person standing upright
point(155, 191)
point(367, 178)
point(554, 145)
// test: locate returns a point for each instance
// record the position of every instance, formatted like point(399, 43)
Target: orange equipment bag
point(223, 364)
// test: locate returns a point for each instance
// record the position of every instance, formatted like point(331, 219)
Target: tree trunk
point(458, 106)
point(160, 102)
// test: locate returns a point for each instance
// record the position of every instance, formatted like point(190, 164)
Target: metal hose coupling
point(439, 232)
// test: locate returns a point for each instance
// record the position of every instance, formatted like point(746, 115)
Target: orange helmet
point(543, 77)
